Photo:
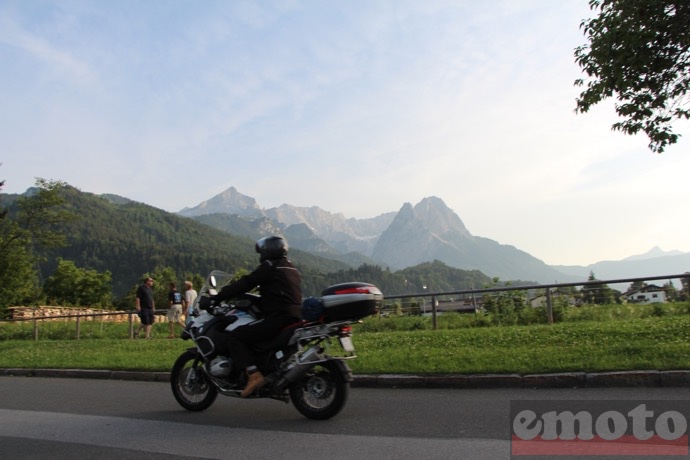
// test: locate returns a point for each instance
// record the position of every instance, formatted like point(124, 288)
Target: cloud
point(59, 62)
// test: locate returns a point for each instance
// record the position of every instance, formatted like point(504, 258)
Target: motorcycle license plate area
point(346, 343)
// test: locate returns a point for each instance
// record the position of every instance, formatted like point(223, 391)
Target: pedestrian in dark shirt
point(146, 307)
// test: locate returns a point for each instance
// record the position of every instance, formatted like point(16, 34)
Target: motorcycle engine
point(220, 366)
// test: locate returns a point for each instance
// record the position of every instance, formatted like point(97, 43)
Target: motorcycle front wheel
point(190, 385)
point(321, 393)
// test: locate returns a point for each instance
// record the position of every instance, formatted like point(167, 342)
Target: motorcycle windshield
point(214, 282)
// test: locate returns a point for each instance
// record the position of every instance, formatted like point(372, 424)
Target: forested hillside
point(131, 239)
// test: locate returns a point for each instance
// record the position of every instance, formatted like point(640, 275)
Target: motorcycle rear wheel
point(190, 385)
point(321, 393)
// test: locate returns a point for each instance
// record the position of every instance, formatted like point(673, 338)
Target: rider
point(281, 301)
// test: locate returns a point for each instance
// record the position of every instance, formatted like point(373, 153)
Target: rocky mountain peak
point(418, 233)
point(433, 216)
point(439, 218)
point(405, 214)
point(656, 251)
point(229, 201)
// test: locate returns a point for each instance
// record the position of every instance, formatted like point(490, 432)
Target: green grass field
point(607, 339)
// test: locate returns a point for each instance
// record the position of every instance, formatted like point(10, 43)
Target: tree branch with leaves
point(639, 53)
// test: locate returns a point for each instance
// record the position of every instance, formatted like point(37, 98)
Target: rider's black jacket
point(279, 285)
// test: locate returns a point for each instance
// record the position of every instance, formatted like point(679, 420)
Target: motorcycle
point(306, 364)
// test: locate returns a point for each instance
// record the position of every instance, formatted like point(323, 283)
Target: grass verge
point(661, 343)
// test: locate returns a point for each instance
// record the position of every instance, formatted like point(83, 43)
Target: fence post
point(78, 325)
point(35, 326)
point(549, 307)
point(433, 312)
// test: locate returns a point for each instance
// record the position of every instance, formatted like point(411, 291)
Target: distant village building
point(463, 305)
point(647, 294)
point(540, 300)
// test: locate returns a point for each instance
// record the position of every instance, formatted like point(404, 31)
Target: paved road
point(58, 418)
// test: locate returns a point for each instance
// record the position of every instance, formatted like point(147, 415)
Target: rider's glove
point(206, 303)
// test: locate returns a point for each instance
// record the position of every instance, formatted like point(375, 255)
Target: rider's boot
point(256, 380)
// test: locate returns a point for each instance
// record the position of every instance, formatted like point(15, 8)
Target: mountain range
point(414, 234)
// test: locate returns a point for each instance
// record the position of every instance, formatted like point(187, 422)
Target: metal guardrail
point(546, 287)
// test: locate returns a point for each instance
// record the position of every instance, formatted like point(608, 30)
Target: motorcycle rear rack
point(315, 331)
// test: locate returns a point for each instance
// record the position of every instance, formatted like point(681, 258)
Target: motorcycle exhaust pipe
point(304, 362)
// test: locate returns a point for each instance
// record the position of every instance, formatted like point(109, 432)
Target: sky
point(356, 107)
